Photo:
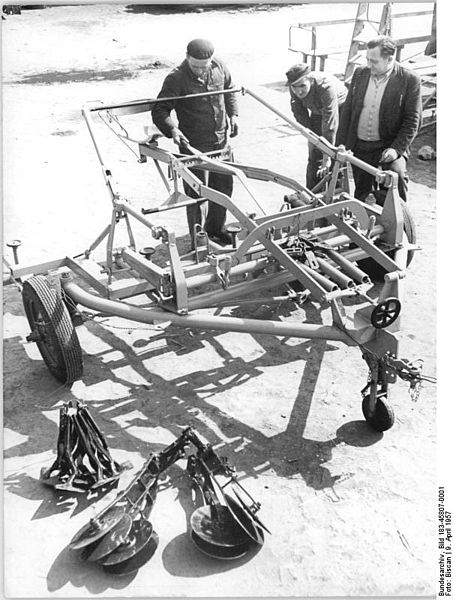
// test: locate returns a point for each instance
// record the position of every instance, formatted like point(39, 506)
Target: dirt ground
point(350, 510)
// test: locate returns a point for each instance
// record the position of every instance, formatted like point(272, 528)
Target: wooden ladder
point(362, 32)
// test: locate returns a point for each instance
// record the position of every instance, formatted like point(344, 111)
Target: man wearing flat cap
point(203, 123)
point(316, 99)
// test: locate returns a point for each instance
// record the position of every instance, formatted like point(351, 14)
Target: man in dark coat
point(316, 99)
point(202, 122)
point(381, 115)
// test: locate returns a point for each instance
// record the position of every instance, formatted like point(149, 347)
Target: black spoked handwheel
point(52, 330)
point(385, 313)
point(382, 417)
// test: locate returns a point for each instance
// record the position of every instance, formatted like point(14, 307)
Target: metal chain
point(94, 318)
point(415, 389)
point(404, 369)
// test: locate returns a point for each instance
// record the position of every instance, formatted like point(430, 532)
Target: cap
point(200, 49)
point(296, 72)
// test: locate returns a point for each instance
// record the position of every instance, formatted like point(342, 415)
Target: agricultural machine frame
point(317, 242)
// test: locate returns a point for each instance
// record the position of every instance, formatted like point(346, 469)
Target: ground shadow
point(68, 567)
point(174, 402)
point(52, 501)
point(183, 559)
point(178, 401)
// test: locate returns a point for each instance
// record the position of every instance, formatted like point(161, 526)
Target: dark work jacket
point(399, 113)
point(202, 120)
point(327, 93)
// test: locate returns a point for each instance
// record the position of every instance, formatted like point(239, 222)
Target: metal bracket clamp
point(346, 214)
point(377, 378)
point(303, 250)
point(54, 279)
point(385, 369)
point(177, 271)
point(222, 265)
point(407, 371)
point(370, 227)
point(387, 178)
point(342, 155)
point(159, 233)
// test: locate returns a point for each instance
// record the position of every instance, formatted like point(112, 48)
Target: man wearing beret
point(203, 123)
point(381, 115)
point(316, 98)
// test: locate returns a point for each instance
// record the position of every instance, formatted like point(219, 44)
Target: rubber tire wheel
point(374, 269)
point(59, 346)
point(383, 417)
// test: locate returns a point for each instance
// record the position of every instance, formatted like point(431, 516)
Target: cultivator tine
point(90, 452)
point(58, 465)
point(71, 444)
point(250, 510)
point(80, 440)
point(82, 476)
point(83, 412)
point(105, 469)
point(104, 454)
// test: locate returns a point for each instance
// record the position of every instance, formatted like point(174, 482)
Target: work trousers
point(315, 156)
point(213, 214)
point(370, 152)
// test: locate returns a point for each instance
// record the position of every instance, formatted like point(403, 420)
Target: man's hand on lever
point(179, 138)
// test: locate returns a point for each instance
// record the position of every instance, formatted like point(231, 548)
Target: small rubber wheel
point(382, 418)
point(52, 330)
point(374, 269)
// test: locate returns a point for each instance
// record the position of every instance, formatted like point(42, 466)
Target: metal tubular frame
point(263, 245)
